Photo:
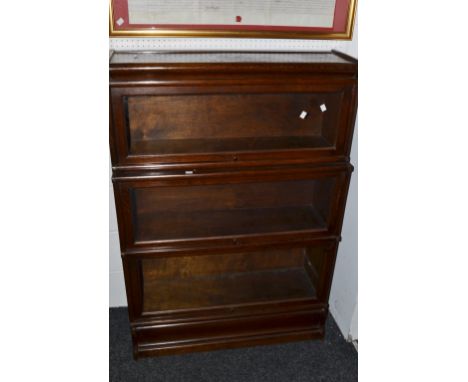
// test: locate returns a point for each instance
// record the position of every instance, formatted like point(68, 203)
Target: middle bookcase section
point(233, 207)
point(167, 213)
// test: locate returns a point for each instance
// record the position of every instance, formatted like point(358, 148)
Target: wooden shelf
point(194, 146)
point(167, 225)
point(227, 289)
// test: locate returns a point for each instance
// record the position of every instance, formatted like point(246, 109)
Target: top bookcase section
point(170, 108)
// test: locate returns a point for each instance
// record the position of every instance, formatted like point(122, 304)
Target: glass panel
point(227, 57)
point(166, 213)
point(207, 123)
point(228, 279)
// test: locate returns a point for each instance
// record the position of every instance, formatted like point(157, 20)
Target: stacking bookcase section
point(225, 112)
point(212, 209)
point(244, 122)
point(230, 174)
point(261, 294)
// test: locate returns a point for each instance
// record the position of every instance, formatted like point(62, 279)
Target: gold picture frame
point(345, 34)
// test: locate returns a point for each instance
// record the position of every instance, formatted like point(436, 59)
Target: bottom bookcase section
point(225, 332)
point(228, 297)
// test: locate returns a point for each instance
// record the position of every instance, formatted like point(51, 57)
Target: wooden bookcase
point(230, 172)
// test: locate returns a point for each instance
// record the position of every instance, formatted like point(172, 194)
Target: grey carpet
point(332, 360)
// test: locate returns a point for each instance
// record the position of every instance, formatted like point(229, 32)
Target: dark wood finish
point(213, 123)
point(225, 279)
point(229, 204)
point(228, 332)
point(203, 109)
point(243, 207)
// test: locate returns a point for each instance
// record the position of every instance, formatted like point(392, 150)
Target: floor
point(332, 360)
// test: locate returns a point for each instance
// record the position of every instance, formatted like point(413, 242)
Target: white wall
point(344, 292)
point(117, 296)
point(343, 296)
point(353, 330)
